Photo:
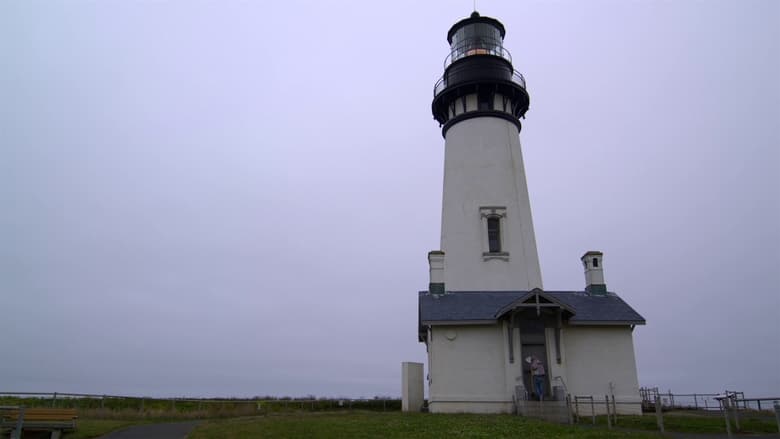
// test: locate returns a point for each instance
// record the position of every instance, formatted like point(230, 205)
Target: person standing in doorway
point(538, 373)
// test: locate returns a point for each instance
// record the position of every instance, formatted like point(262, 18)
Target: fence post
point(671, 399)
point(735, 409)
point(609, 418)
point(777, 414)
point(143, 402)
point(695, 403)
point(54, 400)
point(659, 417)
point(103, 402)
point(725, 407)
point(614, 409)
point(577, 408)
point(568, 409)
point(593, 409)
point(173, 404)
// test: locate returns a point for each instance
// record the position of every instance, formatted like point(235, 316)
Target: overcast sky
point(235, 198)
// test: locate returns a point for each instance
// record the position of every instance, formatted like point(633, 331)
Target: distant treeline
point(130, 406)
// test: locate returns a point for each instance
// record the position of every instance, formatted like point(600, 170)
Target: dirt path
point(177, 430)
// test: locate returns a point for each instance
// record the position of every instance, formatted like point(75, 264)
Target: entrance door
point(532, 343)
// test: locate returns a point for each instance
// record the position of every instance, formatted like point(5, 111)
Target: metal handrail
point(441, 84)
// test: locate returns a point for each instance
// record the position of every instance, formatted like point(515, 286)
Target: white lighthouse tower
point(487, 234)
point(485, 314)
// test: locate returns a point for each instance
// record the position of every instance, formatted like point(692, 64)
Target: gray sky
point(237, 198)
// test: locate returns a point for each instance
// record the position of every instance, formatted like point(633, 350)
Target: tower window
point(494, 234)
point(595, 263)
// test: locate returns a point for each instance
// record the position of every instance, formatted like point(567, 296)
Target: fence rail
point(738, 413)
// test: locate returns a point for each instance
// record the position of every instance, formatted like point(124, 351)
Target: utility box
point(412, 392)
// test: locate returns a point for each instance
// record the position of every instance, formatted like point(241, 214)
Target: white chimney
point(594, 272)
point(436, 264)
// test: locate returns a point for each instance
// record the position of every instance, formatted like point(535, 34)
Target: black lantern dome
point(478, 65)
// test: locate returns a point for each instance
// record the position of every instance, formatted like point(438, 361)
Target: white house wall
point(467, 370)
point(597, 356)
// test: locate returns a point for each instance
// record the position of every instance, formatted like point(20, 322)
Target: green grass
point(394, 424)
point(397, 425)
point(691, 422)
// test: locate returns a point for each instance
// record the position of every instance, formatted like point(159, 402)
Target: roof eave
point(457, 322)
point(606, 322)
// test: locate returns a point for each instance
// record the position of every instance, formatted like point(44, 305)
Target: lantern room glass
point(476, 39)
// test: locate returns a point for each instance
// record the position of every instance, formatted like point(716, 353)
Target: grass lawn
point(396, 425)
point(346, 424)
point(690, 422)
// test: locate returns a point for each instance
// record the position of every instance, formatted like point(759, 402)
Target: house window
point(494, 234)
point(595, 263)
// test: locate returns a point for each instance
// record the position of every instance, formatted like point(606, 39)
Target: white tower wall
point(483, 176)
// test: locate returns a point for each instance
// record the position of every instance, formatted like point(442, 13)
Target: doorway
point(532, 343)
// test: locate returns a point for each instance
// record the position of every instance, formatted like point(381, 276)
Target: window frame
point(488, 213)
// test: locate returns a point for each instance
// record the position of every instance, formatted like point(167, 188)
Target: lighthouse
point(487, 232)
point(485, 310)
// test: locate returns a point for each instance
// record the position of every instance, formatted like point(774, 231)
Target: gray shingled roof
point(483, 306)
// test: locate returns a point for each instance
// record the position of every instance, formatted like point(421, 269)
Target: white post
point(777, 414)
point(659, 417)
point(412, 387)
point(725, 406)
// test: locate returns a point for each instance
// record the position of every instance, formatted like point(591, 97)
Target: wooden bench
point(38, 419)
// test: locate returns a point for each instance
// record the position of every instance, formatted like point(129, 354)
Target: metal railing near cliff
point(730, 411)
point(669, 400)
